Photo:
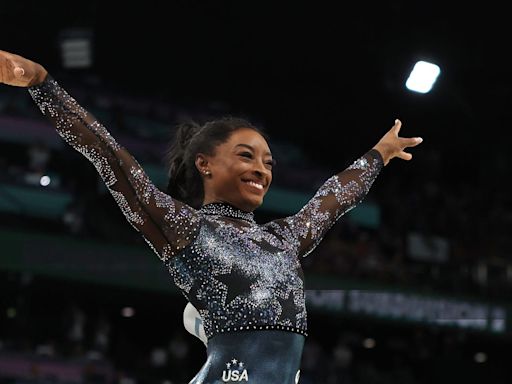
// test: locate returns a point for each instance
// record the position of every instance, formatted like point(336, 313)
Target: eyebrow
point(251, 148)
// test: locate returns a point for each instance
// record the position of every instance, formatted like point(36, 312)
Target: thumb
point(396, 127)
point(19, 72)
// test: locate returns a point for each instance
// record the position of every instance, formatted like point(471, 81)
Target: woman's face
point(240, 170)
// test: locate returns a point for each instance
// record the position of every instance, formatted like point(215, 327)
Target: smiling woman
point(243, 166)
point(232, 149)
point(244, 279)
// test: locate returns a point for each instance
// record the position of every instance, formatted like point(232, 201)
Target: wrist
point(384, 152)
point(39, 77)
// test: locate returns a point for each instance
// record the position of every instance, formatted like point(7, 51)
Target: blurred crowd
point(448, 234)
point(85, 336)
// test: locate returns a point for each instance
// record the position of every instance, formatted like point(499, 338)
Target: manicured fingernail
point(419, 139)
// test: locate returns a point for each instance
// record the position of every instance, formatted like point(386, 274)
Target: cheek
point(228, 177)
point(236, 170)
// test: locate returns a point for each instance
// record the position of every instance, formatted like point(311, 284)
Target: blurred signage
point(443, 311)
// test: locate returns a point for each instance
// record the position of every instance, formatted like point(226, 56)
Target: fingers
point(405, 155)
point(5, 54)
point(410, 141)
point(17, 68)
point(404, 142)
point(416, 141)
point(5, 69)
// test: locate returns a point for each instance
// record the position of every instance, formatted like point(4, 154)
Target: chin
point(249, 207)
point(250, 204)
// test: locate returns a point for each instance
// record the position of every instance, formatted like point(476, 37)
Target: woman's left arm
point(342, 192)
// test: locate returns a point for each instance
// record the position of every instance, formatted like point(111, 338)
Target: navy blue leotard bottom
point(256, 357)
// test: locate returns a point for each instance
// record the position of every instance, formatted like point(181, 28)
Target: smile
point(254, 184)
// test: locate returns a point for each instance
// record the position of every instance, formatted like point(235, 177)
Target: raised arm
point(166, 224)
point(342, 192)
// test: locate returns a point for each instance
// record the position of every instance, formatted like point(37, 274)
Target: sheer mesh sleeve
point(167, 225)
point(338, 195)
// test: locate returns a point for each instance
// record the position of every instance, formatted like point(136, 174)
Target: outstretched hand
point(20, 72)
point(391, 145)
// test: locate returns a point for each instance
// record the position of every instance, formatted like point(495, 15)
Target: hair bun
point(185, 132)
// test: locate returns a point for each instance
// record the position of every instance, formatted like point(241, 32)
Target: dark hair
point(185, 182)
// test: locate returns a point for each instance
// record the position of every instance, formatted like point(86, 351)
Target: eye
point(246, 154)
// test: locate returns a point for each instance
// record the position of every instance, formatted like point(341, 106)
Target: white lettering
point(235, 375)
point(244, 376)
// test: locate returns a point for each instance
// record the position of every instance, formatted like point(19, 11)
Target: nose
point(261, 170)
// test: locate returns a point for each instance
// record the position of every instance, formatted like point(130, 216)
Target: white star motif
point(228, 365)
point(241, 365)
point(234, 361)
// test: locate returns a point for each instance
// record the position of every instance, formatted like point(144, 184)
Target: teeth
point(259, 186)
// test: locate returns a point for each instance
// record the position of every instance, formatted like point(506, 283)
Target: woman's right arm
point(166, 224)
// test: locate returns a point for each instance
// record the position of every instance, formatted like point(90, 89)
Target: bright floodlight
point(422, 77)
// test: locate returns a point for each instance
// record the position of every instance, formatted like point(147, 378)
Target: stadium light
point(76, 48)
point(422, 77)
point(127, 312)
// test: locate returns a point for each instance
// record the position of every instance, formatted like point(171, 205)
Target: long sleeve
point(167, 225)
point(338, 195)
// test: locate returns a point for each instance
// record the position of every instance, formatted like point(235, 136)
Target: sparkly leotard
point(243, 278)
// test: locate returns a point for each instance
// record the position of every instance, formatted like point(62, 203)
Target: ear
point(201, 163)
